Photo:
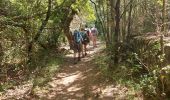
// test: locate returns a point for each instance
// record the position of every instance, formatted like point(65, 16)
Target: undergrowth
point(44, 65)
point(120, 75)
point(140, 73)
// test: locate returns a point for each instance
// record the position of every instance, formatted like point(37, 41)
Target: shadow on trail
point(82, 81)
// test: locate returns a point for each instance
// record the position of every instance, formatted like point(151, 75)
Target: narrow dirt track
point(82, 81)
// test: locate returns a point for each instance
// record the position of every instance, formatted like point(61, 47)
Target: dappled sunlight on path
point(77, 82)
point(82, 81)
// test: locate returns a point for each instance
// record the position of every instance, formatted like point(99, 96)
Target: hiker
point(88, 31)
point(85, 40)
point(77, 45)
point(94, 33)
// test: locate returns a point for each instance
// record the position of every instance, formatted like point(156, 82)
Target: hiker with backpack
point(85, 41)
point(88, 31)
point(77, 45)
point(94, 33)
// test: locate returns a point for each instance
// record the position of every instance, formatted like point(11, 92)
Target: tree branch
point(98, 15)
point(41, 27)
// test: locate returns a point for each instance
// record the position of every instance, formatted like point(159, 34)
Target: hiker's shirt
point(89, 34)
point(94, 31)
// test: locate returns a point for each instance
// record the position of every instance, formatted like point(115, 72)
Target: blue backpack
point(77, 36)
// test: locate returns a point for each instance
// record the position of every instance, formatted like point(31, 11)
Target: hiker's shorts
point(85, 42)
point(77, 47)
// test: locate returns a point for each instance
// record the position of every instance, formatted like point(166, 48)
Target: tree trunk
point(129, 21)
point(164, 27)
point(1, 54)
point(124, 23)
point(117, 31)
point(108, 24)
point(112, 3)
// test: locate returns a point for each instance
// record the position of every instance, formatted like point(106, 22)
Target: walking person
point(77, 45)
point(94, 33)
point(85, 40)
point(88, 31)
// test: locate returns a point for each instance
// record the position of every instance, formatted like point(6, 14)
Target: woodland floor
point(82, 81)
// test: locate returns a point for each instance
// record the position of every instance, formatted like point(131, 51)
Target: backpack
point(85, 37)
point(77, 37)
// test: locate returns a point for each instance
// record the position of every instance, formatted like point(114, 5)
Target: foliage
point(32, 31)
point(149, 85)
point(48, 69)
point(26, 43)
point(101, 61)
point(140, 68)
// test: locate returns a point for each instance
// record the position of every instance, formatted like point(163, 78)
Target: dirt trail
point(82, 81)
